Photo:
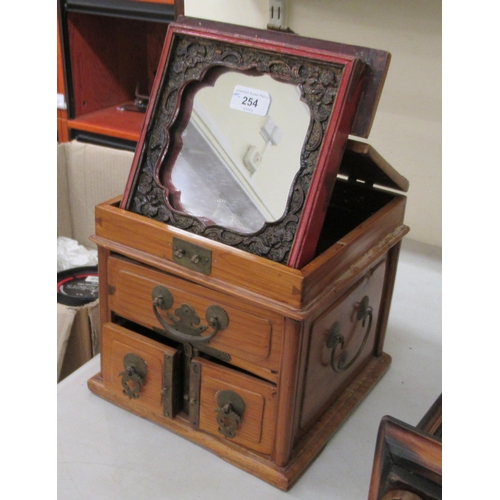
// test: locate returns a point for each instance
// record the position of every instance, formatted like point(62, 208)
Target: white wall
point(407, 128)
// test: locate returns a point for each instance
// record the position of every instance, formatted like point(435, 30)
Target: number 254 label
point(250, 100)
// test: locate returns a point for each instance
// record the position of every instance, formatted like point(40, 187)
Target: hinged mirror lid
point(245, 132)
point(362, 163)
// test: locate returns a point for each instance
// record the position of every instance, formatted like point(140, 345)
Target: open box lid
point(257, 85)
point(361, 162)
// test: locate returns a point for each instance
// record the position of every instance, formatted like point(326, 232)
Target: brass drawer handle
point(186, 323)
point(229, 413)
point(134, 375)
point(336, 339)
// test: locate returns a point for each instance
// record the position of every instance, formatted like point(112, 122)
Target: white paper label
point(250, 100)
point(61, 101)
point(92, 279)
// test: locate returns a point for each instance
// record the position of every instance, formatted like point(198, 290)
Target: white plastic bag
point(71, 254)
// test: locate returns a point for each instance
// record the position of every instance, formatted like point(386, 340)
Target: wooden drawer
point(218, 393)
point(251, 340)
point(342, 340)
point(141, 371)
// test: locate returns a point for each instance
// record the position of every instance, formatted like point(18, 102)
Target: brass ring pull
point(134, 375)
point(229, 413)
point(186, 323)
point(336, 339)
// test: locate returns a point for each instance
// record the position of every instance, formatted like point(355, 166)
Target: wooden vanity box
point(252, 359)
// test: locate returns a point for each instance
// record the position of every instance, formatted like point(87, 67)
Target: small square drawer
point(141, 371)
point(250, 337)
point(232, 405)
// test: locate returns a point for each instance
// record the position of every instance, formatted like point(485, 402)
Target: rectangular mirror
point(245, 132)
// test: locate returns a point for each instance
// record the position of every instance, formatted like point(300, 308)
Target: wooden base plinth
point(260, 466)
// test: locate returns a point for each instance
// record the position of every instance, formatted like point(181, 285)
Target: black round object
point(78, 286)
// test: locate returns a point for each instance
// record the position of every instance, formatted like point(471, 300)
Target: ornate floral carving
point(190, 61)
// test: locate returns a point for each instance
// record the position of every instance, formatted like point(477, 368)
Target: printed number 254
point(249, 101)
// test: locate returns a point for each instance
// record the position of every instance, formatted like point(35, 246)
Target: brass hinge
point(194, 394)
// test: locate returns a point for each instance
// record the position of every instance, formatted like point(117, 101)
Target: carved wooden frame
point(331, 85)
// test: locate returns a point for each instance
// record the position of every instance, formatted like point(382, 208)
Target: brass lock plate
point(192, 256)
point(133, 378)
point(229, 413)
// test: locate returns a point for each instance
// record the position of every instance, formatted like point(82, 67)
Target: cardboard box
point(86, 176)
point(77, 337)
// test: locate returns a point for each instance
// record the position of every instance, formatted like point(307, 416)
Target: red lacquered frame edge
point(334, 140)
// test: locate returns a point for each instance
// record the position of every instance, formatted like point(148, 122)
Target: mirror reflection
point(241, 150)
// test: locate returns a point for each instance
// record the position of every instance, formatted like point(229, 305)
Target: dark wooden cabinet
point(408, 459)
point(109, 53)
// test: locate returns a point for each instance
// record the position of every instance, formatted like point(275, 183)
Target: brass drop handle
point(186, 323)
point(134, 375)
point(229, 413)
point(336, 339)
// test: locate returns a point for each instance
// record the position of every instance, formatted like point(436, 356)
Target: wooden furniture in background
point(62, 115)
point(408, 460)
point(109, 52)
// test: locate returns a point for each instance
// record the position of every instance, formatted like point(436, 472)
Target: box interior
point(350, 205)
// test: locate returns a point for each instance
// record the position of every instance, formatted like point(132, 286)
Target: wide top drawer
point(243, 334)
